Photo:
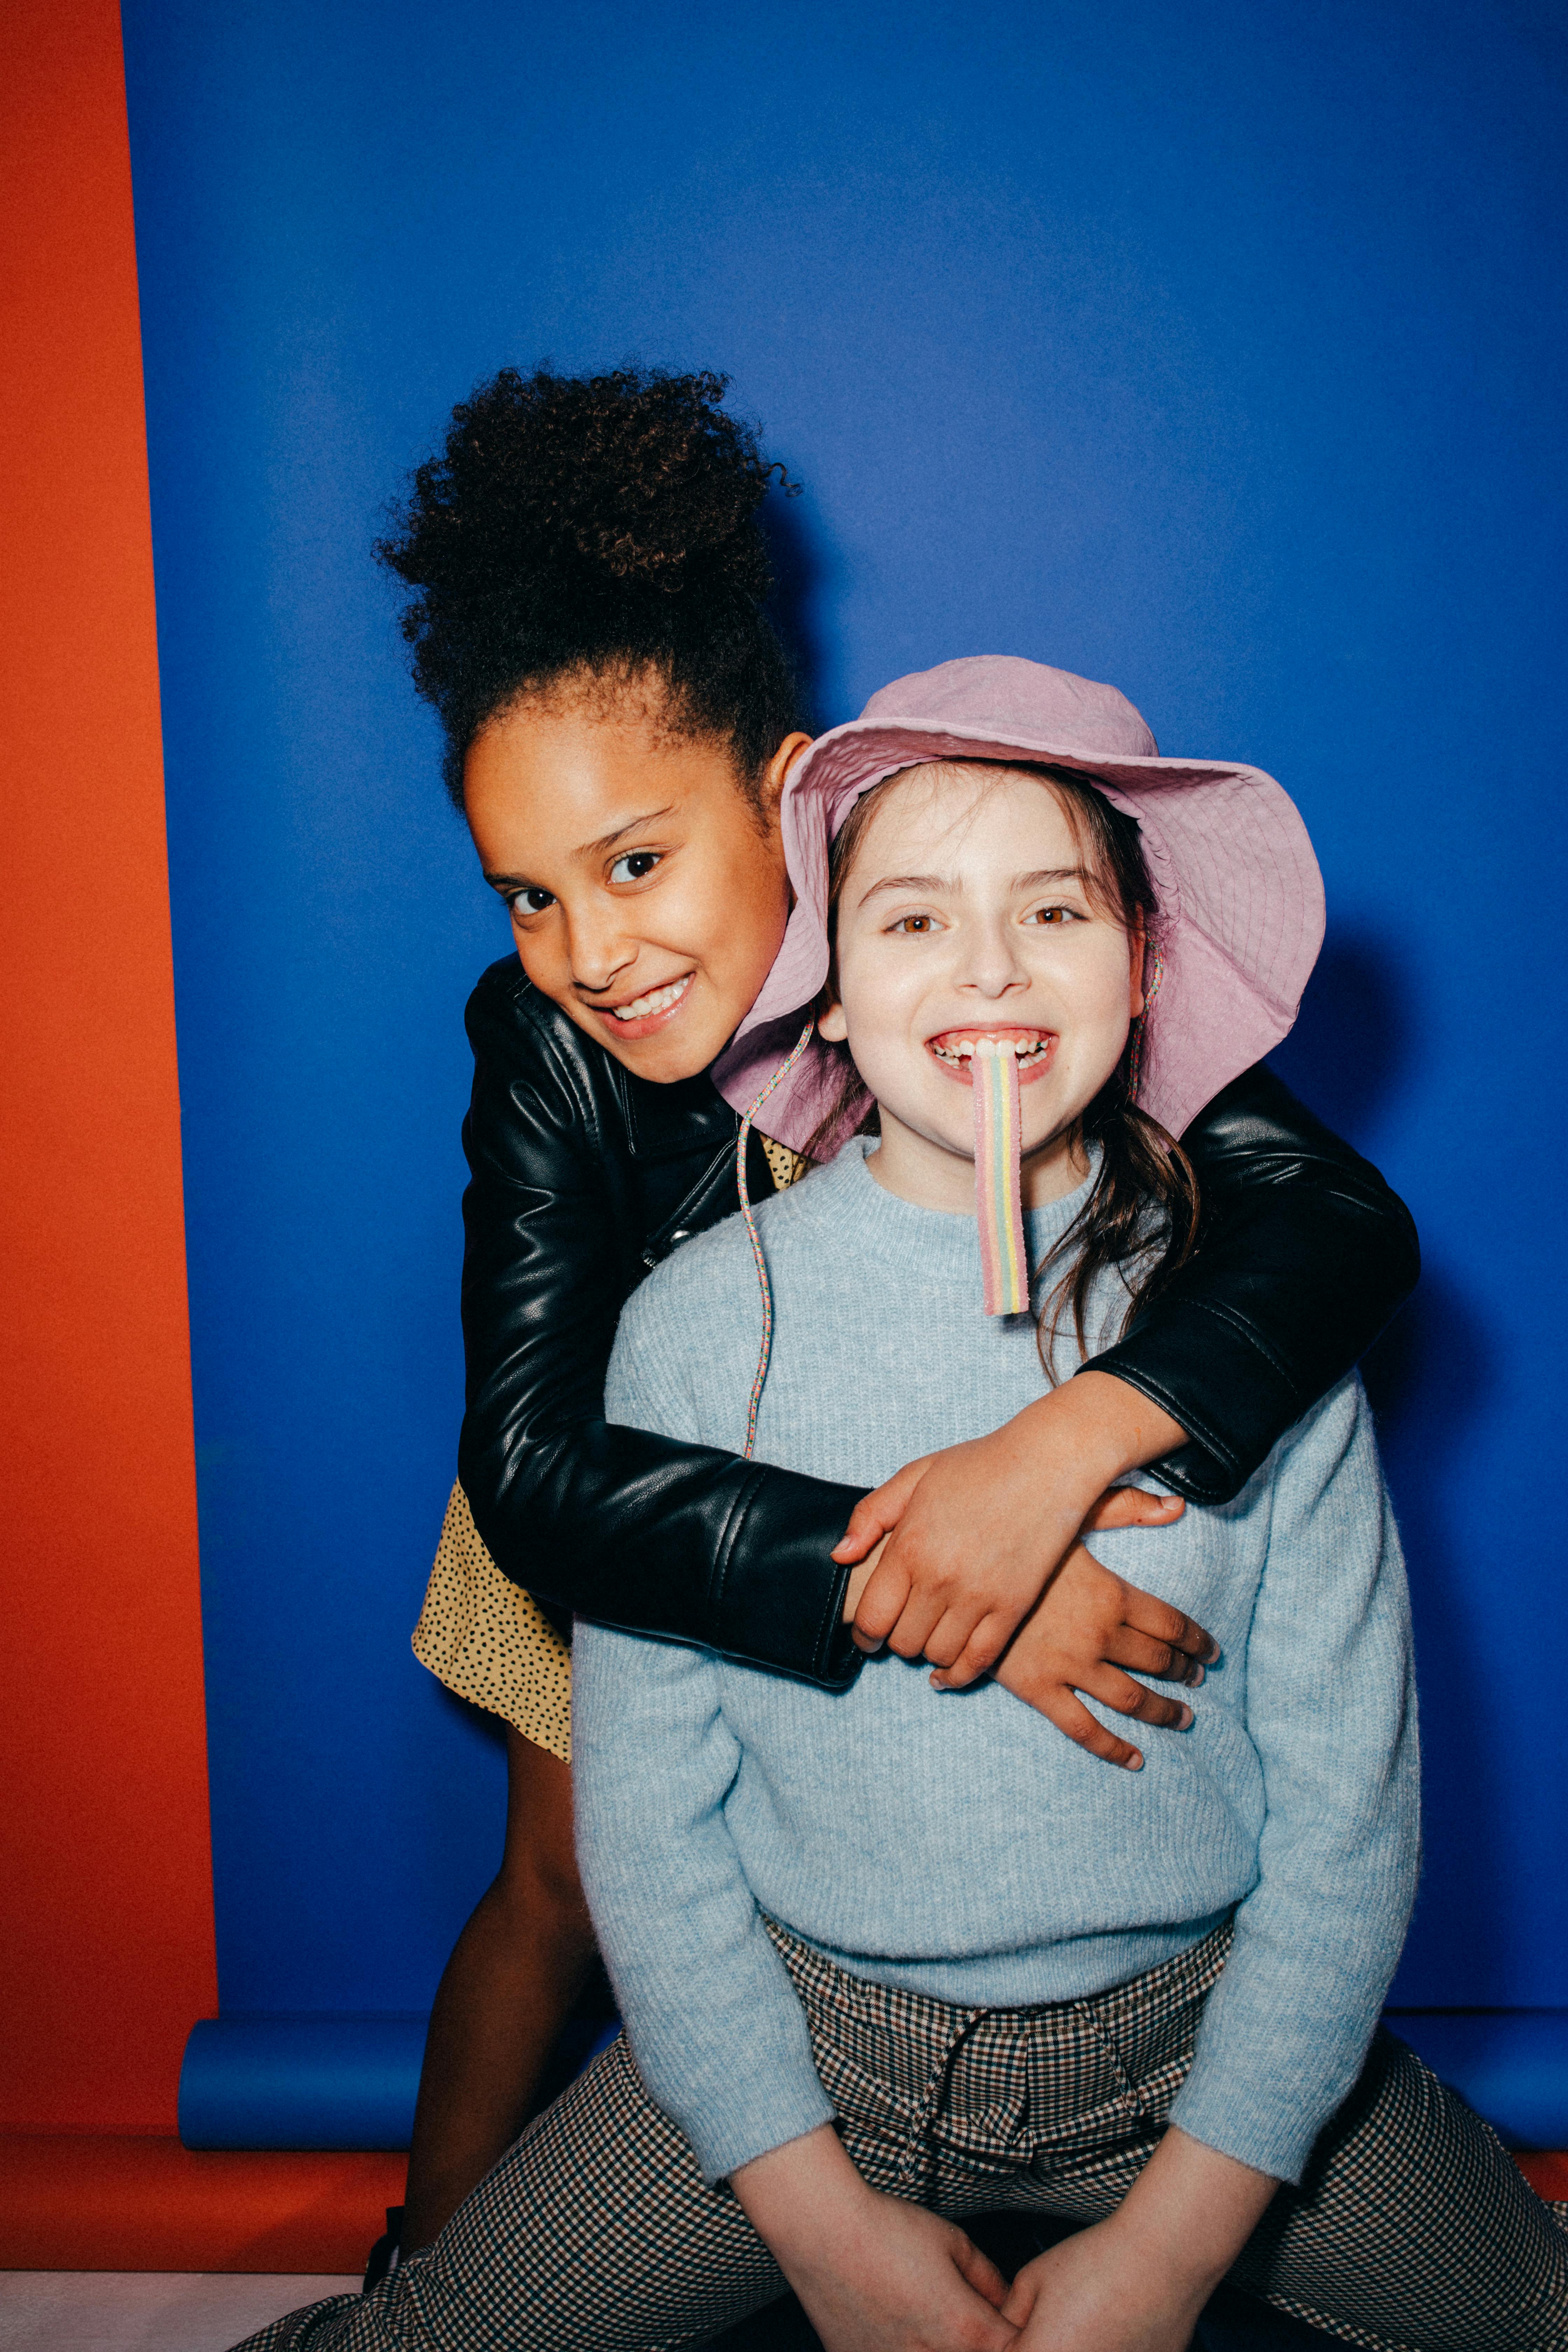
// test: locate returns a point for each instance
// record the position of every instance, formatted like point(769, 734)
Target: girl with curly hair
point(588, 618)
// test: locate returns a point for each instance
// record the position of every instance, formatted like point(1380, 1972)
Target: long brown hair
point(1141, 1216)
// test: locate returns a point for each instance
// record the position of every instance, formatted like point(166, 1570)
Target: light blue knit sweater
point(958, 1843)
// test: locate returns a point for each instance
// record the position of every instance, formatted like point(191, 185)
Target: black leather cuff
point(1182, 1362)
point(779, 1594)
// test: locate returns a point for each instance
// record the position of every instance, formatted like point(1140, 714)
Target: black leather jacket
point(584, 1177)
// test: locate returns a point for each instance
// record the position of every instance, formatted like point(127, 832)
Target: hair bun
point(572, 521)
point(638, 476)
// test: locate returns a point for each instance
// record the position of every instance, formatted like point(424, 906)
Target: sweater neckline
point(940, 1245)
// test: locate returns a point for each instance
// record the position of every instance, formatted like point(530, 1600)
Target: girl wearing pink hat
point(894, 1955)
point(587, 618)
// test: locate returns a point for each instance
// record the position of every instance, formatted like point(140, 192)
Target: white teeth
point(961, 1049)
point(657, 1000)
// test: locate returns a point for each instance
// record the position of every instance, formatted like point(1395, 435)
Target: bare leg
point(507, 1991)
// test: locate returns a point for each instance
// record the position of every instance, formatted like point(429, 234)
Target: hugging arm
point(621, 1524)
point(1304, 1254)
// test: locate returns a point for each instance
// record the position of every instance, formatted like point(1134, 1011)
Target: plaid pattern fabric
point(1412, 2232)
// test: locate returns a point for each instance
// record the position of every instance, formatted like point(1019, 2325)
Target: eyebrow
point(587, 849)
point(632, 825)
point(930, 884)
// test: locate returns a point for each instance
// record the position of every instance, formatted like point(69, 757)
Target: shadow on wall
point(1346, 1055)
point(1428, 1378)
point(800, 574)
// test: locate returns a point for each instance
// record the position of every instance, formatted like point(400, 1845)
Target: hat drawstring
point(742, 1186)
point(1140, 1026)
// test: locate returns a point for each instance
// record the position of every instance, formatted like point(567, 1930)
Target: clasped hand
point(877, 2274)
point(974, 1558)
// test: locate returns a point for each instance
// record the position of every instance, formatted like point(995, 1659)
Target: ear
point(771, 784)
point(1137, 948)
point(831, 1024)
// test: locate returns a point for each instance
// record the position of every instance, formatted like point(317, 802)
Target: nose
point(991, 965)
point(597, 949)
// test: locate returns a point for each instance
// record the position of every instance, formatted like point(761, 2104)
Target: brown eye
point(532, 902)
point(634, 866)
point(915, 926)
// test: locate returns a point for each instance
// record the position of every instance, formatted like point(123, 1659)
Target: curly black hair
point(602, 525)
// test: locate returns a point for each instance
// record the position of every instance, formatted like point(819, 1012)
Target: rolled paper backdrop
point(323, 2082)
point(998, 1188)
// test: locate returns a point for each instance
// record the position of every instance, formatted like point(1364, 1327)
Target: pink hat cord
point(744, 1188)
point(1155, 975)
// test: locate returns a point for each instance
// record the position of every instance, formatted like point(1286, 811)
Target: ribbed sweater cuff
point(1262, 2131)
point(730, 2141)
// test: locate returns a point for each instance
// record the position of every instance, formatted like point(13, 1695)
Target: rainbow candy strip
point(998, 1142)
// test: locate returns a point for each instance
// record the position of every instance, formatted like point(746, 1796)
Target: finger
point(1071, 1716)
point(1147, 1615)
point(980, 2270)
point(1128, 1698)
point(1131, 1506)
point(1023, 2295)
point(921, 1614)
point(949, 1634)
point(869, 1523)
point(882, 1603)
point(1145, 1656)
point(979, 1654)
point(878, 1513)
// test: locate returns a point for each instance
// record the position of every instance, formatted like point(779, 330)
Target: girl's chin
point(666, 1054)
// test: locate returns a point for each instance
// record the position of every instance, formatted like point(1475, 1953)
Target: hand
point(1091, 2294)
point(1088, 1625)
point(975, 1534)
point(1138, 2280)
point(873, 2273)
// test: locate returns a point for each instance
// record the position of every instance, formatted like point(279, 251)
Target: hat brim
point(1240, 895)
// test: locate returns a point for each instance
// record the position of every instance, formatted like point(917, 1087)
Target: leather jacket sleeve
point(632, 1530)
point(1303, 1254)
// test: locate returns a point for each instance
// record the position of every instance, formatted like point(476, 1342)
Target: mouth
point(954, 1050)
point(640, 1016)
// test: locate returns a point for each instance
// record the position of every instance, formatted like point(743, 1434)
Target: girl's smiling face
point(647, 891)
point(968, 912)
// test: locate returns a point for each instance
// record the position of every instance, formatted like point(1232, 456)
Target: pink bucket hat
point(1240, 895)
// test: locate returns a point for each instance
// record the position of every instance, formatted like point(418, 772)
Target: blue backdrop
point(1205, 348)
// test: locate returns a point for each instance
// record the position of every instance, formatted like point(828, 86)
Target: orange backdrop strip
point(107, 1946)
point(149, 2205)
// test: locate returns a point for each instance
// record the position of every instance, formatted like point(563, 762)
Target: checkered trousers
point(1412, 2232)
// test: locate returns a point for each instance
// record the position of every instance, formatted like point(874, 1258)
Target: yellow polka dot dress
point(489, 1641)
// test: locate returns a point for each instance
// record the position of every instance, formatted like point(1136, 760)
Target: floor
point(147, 2311)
